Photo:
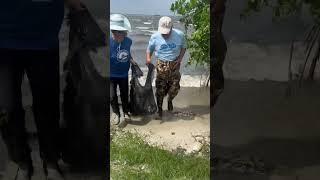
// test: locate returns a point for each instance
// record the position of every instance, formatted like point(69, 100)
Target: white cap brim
point(163, 30)
point(118, 28)
point(119, 22)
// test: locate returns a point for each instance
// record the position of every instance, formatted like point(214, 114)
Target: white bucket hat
point(119, 22)
point(165, 25)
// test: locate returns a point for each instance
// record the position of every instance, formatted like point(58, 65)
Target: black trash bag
point(84, 96)
point(136, 71)
point(142, 100)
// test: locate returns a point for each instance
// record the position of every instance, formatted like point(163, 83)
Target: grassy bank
point(132, 158)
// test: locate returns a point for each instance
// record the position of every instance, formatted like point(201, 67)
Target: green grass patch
point(132, 158)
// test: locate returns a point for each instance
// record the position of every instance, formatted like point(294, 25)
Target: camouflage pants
point(167, 81)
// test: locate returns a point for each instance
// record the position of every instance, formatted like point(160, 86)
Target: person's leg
point(124, 94)
point(174, 87)
point(43, 74)
point(114, 96)
point(12, 122)
point(114, 101)
point(161, 85)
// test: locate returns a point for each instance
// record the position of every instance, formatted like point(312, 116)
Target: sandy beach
point(188, 124)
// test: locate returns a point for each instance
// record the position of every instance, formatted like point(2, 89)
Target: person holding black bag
point(169, 45)
point(120, 59)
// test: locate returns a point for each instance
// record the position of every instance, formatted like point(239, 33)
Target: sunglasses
point(118, 32)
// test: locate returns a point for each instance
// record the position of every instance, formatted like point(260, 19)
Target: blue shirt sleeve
point(151, 45)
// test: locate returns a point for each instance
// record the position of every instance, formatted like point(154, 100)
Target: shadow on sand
point(187, 114)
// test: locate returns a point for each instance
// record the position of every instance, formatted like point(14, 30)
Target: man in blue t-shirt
point(29, 44)
point(169, 46)
point(120, 59)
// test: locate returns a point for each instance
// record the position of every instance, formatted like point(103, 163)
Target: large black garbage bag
point(142, 100)
point(84, 96)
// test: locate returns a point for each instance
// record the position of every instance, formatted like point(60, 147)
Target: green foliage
point(197, 13)
point(283, 8)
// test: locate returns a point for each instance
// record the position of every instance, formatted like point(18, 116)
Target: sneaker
point(170, 106)
point(127, 117)
point(115, 119)
point(121, 120)
point(54, 173)
point(159, 117)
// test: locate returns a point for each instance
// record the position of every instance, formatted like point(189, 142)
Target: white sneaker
point(122, 120)
point(127, 117)
point(115, 119)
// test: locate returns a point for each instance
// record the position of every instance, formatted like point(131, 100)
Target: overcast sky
point(149, 7)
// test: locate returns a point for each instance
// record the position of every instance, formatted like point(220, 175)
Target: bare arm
point(148, 57)
point(180, 57)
